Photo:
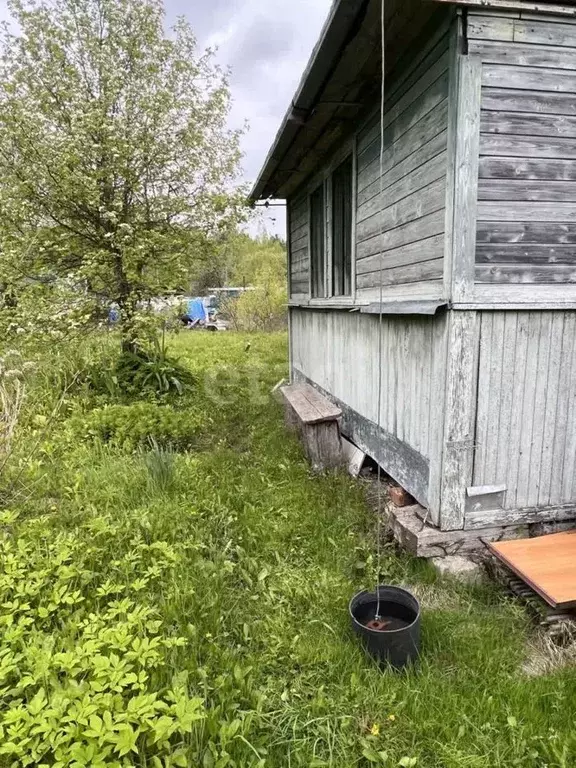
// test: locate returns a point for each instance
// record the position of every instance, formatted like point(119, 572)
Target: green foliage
point(142, 373)
point(118, 169)
point(263, 309)
point(220, 579)
point(82, 658)
point(261, 264)
point(160, 463)
point(136, 425)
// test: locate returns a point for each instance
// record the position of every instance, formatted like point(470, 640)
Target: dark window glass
point(317, 242)
point(342, 229)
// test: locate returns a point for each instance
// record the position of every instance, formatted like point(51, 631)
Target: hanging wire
point(380, 313)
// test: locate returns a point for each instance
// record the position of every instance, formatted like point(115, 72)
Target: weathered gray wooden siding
point(338, 351)
point(526, 231)
point(401, 230)
point(299, 256)
point(526, 416)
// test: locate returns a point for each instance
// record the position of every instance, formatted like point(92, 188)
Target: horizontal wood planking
point(495, 145)
point(545, 169)
point(528, 124)
point(299, 288)
point(395, 167)
point(299, 258)
point(524, 55)
point(526, 418)
point(427, 127)
point(408, 273)
point(527, 274)
point(520, 190)
point(411, 206)
point(535, 102)
point(407, 120)
point(412, 253)
point(420, 177)
point(490, 27)
point(525, 212)
point(529, 233)
point(412, 232)
point(543, 32)
point(417, 205)
point(525, 254)
point(528, 78)
point(422, 90)
point(527, 189)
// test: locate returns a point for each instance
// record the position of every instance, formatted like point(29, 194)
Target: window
point(332, 201)
point(342, 229)
point(317, 242)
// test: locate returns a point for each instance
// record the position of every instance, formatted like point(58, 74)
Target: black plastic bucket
point(398, 643)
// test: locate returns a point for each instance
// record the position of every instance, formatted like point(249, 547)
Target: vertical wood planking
point(551, 424)
point(339, 352)
point(526, 416)
point(437, 399)
point(509, 340)
point(565, 378)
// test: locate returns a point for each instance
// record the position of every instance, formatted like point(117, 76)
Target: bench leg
point(323, 445)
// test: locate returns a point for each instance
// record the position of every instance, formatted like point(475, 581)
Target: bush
point(141, 425)
point(260, 309)
point(142, 373)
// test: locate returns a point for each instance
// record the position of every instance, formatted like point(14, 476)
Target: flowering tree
point(116, 163)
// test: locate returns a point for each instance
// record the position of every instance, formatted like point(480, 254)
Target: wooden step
point(309, 405)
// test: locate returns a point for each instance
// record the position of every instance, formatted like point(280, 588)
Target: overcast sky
point(267, 44)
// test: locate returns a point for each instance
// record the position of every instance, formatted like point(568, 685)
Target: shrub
point(139, 425)
point(146, 372)
point(260, 309)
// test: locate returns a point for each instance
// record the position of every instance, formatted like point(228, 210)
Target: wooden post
point(459, 418)
point(464, 127)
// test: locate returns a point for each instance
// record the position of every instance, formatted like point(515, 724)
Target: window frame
point(325, 179)
point(323, 188)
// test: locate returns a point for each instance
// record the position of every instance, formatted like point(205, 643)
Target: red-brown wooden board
point(546, 563)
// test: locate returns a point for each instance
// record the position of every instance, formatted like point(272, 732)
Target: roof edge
point(325, 55)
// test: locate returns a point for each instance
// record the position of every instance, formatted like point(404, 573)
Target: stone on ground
point(460, 567)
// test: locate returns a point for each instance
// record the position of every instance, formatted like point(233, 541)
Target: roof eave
point(324, 56)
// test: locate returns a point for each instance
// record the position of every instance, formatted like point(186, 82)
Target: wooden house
point(448, 282)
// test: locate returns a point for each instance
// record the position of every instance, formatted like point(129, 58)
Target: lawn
point(188, 607)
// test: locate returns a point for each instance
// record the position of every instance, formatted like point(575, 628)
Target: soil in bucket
point(394, 636)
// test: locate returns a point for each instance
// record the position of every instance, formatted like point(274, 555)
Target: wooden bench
point(317, 420)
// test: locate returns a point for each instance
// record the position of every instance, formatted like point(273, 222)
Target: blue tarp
point(196, 310)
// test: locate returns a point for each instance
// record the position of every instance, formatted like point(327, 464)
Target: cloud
point(267, 46)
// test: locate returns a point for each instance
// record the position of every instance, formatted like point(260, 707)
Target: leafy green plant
point(201, 601)
point(80, 658)
point(136, 425)
point(145, 372)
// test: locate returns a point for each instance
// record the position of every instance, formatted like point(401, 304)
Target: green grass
point(243, 564)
